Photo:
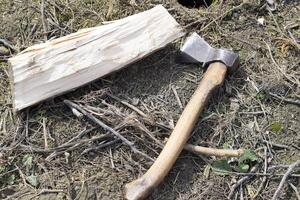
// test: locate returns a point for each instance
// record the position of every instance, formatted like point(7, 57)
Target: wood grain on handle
point(140, 188)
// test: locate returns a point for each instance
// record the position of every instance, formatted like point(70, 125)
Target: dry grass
point(240, 113)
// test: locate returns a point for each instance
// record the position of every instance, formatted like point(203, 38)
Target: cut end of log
point(46, 70)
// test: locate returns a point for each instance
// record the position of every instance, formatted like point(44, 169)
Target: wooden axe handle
point(140, 188)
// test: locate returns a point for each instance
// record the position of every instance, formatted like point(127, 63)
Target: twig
point(277, 166)
point(293, 38)
point(278, 67)
point(45, 133)
point(176, 96)
point(287, 100)
point(276, 24)
point(110, 8)
point(284, 178)
point(111, 159)
point(213, 151)
point(256, 174)
point(222, 16)
point(194, 23)
point(97, 110)
point(148, 132)
point(82, 133)
point(100, 146)
point(253, 113)
point(106, 127)
point(58, 153)
point(75, 145)
point(295, 146)
point(262, 184)
point(213, 21)
point(146, 119)
point(61, 147)
point(248, 42)
point(83, 183)
point(275, 144)
point(241, 192)
point(43, 191)
point(27, 123)
point(128, 105)
point(241, 181)
point(8, 172)
point(7, 44)
point(77, 113)
point(43, 19)
point(100, 137)
point(17, 195)
point(296, 190)
point(22, 175)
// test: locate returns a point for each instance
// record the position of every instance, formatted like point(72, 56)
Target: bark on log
point(52, 68)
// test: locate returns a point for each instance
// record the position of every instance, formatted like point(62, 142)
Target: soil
point(243, 113)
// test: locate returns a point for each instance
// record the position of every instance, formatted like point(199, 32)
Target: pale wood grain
point(52, 68)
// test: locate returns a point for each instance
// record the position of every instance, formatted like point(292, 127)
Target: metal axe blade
point(197, 50)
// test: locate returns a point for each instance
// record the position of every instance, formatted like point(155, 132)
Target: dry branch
point(106, 127)
point(96, 148)
point(287, 100)
point(284, 178)
point(7, 44)
point(52, 68)
point(240, 182)
point(213, 151)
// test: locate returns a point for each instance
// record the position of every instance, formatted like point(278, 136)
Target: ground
point(250, 111)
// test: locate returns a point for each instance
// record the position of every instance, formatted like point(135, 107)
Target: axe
point(218, 62)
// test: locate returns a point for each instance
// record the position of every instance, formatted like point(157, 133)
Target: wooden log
point(52, 68)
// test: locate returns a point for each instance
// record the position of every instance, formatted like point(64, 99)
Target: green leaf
point(226, 146)
point(276, 127)
point(245, 160)
point(244, 167)
point(221, 167)
point(32, 180)
point(2, 169)
point(261, 96)
point(27, 161)
point(11, 179)
point(248, 156)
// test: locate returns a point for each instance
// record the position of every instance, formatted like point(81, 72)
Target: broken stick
point(284, 178)
point(214, 152)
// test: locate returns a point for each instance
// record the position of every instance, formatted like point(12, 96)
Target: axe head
point(197, 50)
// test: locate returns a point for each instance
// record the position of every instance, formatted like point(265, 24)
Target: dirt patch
point(241, 114)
